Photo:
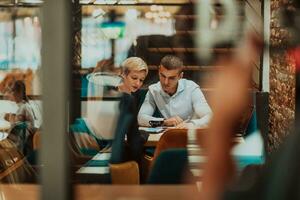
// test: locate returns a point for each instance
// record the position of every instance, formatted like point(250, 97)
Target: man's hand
point(173, 121)
point(184, 125)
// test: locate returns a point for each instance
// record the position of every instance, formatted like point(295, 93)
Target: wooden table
point(105, 192)
point(92, 172)
point(153, 139)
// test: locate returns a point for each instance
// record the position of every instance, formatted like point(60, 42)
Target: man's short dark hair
point(171, 62)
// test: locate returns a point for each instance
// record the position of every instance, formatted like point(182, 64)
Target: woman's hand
point(10, 117)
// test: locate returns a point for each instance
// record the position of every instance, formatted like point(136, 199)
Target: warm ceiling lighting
point(127, 2)
point(30, 1)
point(98, 13)
point(6, 2)
point(84, 1)
point(105, 2)
point(146, 1)
point(113, 1)
point(158, 14)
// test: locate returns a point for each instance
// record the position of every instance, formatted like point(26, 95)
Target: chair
point(125, 173)
point(82, 144)
point(35, 145)
point(14, 167)
point(172, 138)
point(86, 143)
point(170, 167)
point(77, 158)
point(36, 140)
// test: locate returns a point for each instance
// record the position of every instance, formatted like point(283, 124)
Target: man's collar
point(180, 85)
point(180, 88)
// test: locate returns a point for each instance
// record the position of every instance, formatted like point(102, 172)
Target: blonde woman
point(134, 72)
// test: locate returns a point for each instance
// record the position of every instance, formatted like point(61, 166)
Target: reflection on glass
point(101, 86)
point(96, 44)
point(149, 32)
point(20, 103)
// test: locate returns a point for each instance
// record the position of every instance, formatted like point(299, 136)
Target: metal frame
point(56, 66)
point(265, 68)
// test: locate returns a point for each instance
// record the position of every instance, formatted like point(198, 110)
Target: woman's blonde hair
point(134, 64)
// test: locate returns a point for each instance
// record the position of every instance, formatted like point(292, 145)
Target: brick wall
point(282, 80)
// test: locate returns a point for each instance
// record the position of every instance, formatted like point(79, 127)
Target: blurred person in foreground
point(278, 178)
point(180, 101)
point(229, 101)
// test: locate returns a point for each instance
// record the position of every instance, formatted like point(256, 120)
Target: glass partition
point(97, 83)
point(20, 93)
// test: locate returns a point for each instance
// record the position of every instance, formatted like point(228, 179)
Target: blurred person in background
point(22, 122)
point(25, 112)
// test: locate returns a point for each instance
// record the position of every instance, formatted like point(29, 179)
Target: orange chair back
point(172, 138)
point(36, 140)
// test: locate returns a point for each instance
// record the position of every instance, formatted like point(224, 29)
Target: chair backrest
point(173, 138)
point(125, 173)
point(77, 158)
point(170, 167)
point(36, 140)
point(14, 167)
point(178, 139)
point(83, 141)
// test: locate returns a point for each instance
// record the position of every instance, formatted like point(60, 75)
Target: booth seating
point(87, 143)
point(108, 166)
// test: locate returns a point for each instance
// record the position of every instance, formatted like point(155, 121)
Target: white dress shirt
point(188, 103)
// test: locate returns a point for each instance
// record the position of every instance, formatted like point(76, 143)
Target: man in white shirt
point(180, 101)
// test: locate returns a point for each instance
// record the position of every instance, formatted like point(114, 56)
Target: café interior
point(68, 56)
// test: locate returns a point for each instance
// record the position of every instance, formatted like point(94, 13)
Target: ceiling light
point(128, 2)
point(105, 2)
point(98, 13)
point(146, 1)
point(131, 14)
point(30, 1)
point(84, 1)
point(153, 8)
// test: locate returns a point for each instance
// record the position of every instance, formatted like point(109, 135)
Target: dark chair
point(35, 145)
point(169, 167)
point(173, 138)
